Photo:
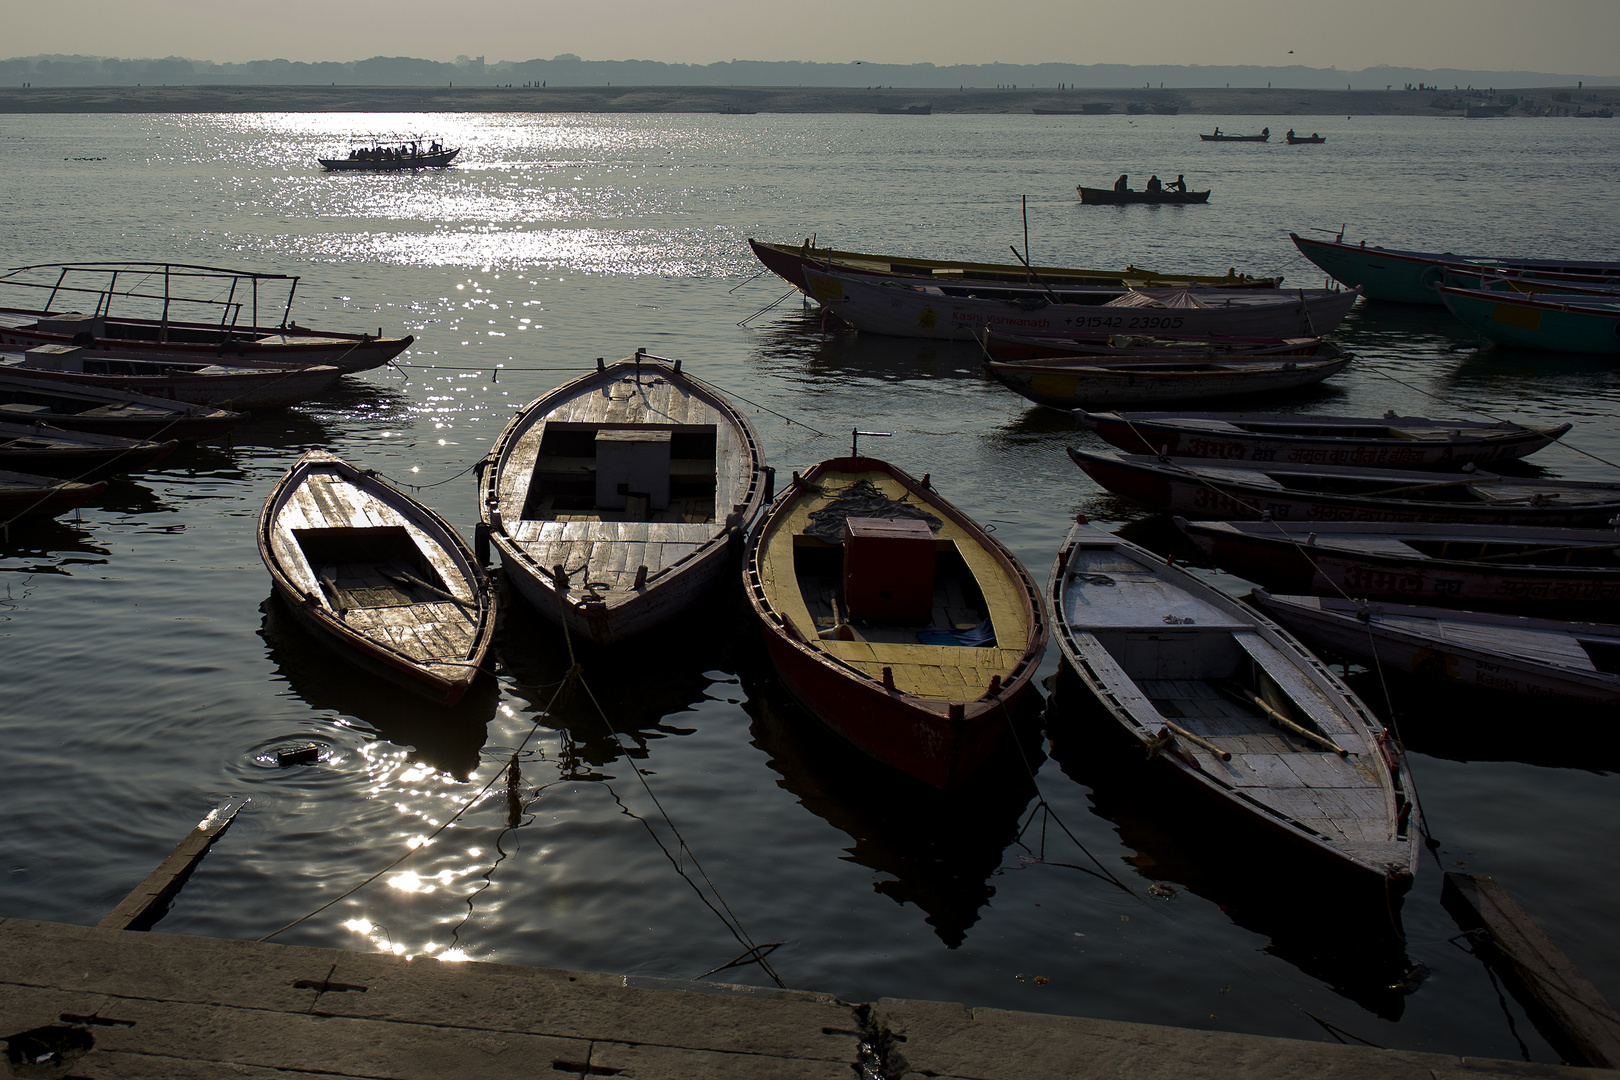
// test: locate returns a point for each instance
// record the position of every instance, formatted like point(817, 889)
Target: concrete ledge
point(141, 1006)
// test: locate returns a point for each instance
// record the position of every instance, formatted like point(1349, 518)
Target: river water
point(147, 676)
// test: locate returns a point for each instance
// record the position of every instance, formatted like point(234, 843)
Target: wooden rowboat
point(1549, 322)
point(1251, 490)
point(923, 309)
point(27, 495)
point(175, 380)
point(41, 448)
point(379, 577)
point(1574, 572)
point(1410, 277)
point(1112, 197)
point(789, 263)
point(1539, 658)
point(1091, 382)
point(1388, 442)
point(175, 311)
point(1232, 705)
point(1264, 136)
point(1012, 347)
point(1305, 140)
point(110, 412)
point(893, 617)
point(618, 498)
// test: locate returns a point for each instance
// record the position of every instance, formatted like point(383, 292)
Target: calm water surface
point(148, 676)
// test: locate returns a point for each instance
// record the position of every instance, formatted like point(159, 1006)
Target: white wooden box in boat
point(619, 576)
point(1161, 651)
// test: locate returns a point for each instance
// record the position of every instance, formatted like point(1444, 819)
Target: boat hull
point(1222, 438)
point(1181, 641)
point(1570, 324)
point(790, 263)
point(939, 732)
point(1080, 385)
point(900, 310)
point(1411, 277)
point(28, 495)
point(1236, 492)
point(1380, 638)
point(404, 164)
point(1381, 566)
point(621, 577)
point(203, 343)
point(41, 449)
point(236, 389)
point(389, 640)
point(1110, 197)
point(111, 412)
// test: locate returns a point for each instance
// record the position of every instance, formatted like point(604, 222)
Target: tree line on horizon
point(570, 70)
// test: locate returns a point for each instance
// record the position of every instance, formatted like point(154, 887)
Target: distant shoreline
point(763, 99)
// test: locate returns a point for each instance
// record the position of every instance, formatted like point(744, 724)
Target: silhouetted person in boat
point(1265, 131)
point(1153, 185)
point(1178, 184)
point(1121, 184)
point(1290, 133)
point(1217, 131)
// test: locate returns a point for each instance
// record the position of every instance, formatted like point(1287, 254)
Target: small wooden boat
point(1012, 347)
point(1113, 197)
point(378, 576)
point(1573, 572)
point(1539, 658)
point(1092, 382)
point(1224, 699)
point(617, 499)
point(1550, 322)
point(1531, 283)
point(1250, 490)
point(1305, 140)
point(110, 412)
point(40, 448)
point(1411, 277)
point(1387, 442)
point(922, 309)
point(789, 263)
point(27, 495)
point(1264, 136)
point(398, 158)
point(893, 617)
point(196, 383)
point(186, 312)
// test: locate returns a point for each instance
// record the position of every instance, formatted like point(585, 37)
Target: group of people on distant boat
point(393, 153)
point(1179, 184)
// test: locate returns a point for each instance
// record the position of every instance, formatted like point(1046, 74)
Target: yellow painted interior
point(943, 672)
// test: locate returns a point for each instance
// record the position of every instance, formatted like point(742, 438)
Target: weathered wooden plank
point(1553, 990)
point(149, 901)
point(1269, 767)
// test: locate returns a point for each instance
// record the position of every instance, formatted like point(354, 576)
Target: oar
point(337, 598)
point(1197, 740)
point(1277, 718)
point(1430, 486)
point(410, 579)
point(1050, 295)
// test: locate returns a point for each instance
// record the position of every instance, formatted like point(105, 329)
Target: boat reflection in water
point(1343, 936)
point(672, 673)
point(446, 738)
point(930, 848)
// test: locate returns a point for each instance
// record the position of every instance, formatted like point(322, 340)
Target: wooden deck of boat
point(608, 546)
point(403, 616)
point(941, 672)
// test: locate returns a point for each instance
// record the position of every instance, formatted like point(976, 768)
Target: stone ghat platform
point(100, 1004)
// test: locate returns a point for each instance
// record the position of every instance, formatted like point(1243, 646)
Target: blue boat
point(1411, 277)
point(1549, 322)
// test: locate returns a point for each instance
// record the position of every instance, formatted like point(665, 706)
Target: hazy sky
point(1564, 36)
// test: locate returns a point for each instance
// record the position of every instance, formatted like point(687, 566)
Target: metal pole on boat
point(51, 299)
point(288, 311)
point(255, 301)
point(104, 305)
point(163, 329)
point(1029, 271)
